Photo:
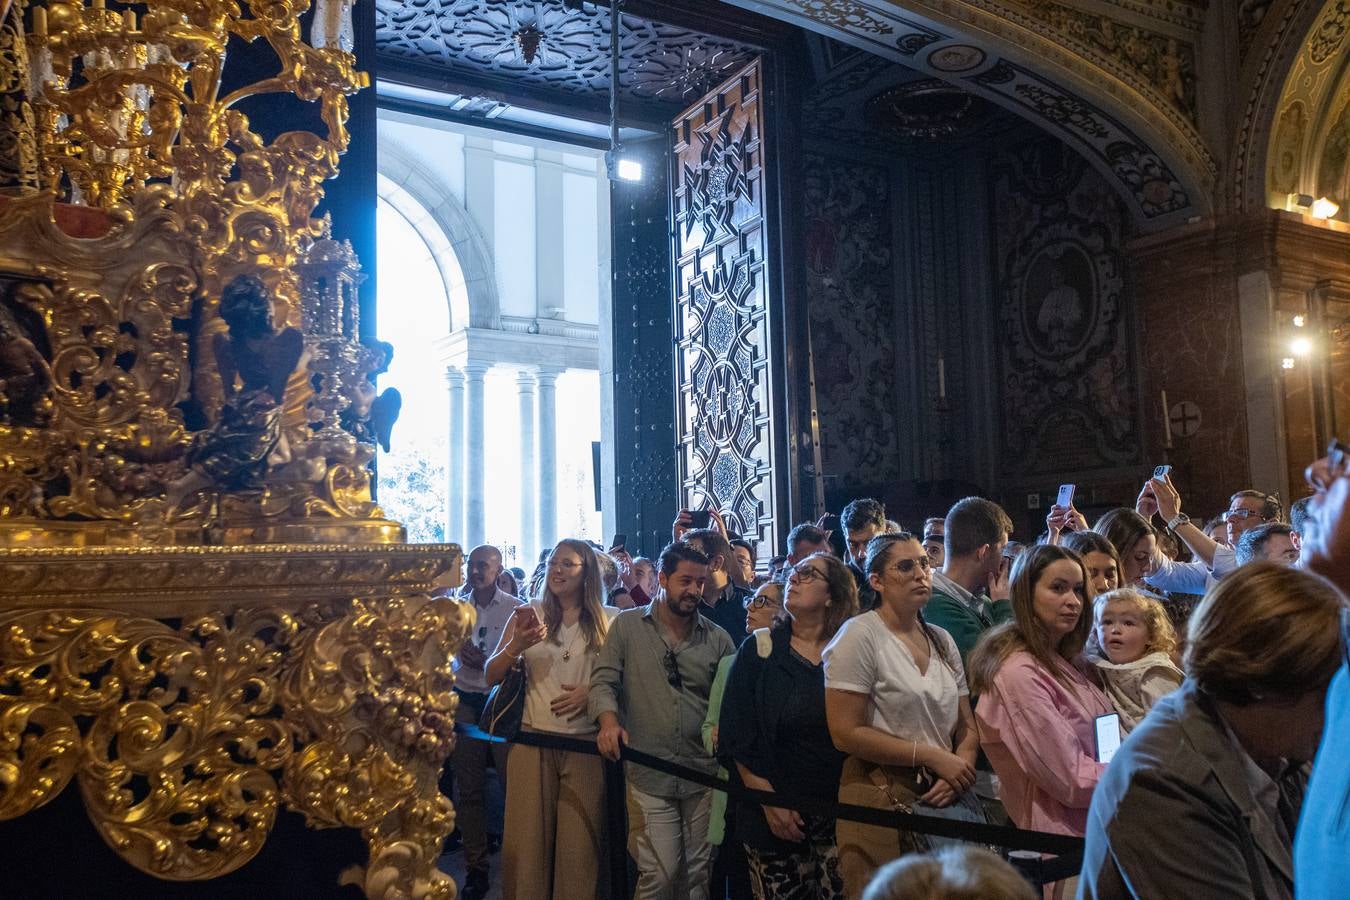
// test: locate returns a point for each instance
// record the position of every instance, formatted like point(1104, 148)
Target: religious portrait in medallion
point(1059, 299)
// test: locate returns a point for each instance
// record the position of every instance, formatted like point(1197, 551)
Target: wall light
point(1324, 208)
point(1298, 321)
point(1301, 346)
point(622, 168)
point(1287, 362)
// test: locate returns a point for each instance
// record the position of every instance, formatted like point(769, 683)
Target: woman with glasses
point(761, 611)
point(554, 826)
point(1037, 707)
point(898, 706)
point(773, 734)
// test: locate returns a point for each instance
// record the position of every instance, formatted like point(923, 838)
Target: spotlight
point(622, 168)
point(1324, 208)
point(1300, 346)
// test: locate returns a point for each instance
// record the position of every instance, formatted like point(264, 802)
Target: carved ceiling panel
point(1121, 92)
point(1309, 142)
point(548, 44)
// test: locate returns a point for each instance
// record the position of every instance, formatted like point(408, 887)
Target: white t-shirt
point(546, 672)
point(865, 657)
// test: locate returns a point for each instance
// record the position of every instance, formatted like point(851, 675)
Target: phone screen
point(620, 540)
point(1108, 736)
point(1161, 471)
point(1065, 498)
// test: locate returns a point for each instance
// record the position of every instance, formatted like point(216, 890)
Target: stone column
point(474, 481)
point(454, 473)
point(529, 479)
point(548, 457)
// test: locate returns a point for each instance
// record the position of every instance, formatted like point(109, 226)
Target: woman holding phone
point(1038, 710)
point(554, 829)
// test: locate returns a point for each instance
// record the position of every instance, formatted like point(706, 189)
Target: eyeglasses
point(564, 566)
point(906, 566)
point(760, 601)
point(805, 574)
point(672, 664)
point(1233, 515)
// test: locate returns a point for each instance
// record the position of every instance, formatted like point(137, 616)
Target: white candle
point(942, 378)
point(1167, 421)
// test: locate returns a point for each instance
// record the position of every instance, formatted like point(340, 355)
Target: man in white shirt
point(492, 608)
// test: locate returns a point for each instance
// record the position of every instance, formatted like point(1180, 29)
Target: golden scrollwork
point(184, 741)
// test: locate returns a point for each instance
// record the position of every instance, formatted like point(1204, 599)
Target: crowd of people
point(949, 672)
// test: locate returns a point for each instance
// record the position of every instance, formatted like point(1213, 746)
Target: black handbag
point(505, 706)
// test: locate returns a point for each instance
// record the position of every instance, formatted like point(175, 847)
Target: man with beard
point(493, 608)
point(650, 690)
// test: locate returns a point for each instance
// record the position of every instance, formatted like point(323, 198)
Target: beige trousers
point(554, 846)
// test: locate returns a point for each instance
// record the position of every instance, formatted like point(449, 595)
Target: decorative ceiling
point(559, 46)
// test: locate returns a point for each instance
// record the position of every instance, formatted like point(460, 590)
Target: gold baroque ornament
point(184, 740)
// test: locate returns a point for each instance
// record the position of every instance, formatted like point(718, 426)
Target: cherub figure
point(25, 375)
point(254, 361)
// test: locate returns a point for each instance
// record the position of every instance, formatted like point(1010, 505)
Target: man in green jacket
point(970, 594)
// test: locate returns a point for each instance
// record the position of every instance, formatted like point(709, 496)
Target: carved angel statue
point(370, 418)
point(25, 375)
point(254, 361)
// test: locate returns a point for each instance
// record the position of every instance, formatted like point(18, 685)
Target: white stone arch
point(457, 245)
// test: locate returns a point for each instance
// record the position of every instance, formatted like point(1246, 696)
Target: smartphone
point(1161, 472)
point(700, 518)
point(1108, 736)
point(1065, 498)
point(620, 541)
point(528, 617)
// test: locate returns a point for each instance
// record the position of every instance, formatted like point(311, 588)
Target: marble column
point(454, 473)
point(529, 479)
point(548, 456)
point(475, 506)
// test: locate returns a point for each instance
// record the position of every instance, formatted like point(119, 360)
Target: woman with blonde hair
point(1203, 799)
point(554, 826)
point(898, 705)
point(1037, 706)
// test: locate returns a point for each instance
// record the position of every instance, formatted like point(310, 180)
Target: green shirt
point(631, 680)
point(963, 615)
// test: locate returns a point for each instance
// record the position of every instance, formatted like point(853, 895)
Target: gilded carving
point(1164, 62)
point(185, 741)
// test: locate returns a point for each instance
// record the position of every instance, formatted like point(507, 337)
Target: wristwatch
point(1178, 520)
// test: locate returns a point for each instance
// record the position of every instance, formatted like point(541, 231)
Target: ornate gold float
point(204, 615)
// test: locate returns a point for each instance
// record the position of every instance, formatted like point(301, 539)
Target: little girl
point(1131, 645)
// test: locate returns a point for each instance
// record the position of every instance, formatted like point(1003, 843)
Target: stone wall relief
point(851, 302)
point(1068, 400)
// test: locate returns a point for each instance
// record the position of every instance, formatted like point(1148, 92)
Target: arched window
point(413, 310)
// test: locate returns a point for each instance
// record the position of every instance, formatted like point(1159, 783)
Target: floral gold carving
point(184, 741)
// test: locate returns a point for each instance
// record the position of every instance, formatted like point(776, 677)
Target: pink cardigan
point(1039, 738)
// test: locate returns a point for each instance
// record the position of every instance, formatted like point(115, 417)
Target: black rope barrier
point(1067, 850)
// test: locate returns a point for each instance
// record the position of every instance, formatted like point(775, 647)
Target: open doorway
point(494, 271)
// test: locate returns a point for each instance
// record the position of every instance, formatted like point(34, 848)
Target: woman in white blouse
point(897, 703)
point(554, 828)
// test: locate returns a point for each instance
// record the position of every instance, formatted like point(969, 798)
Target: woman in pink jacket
point(1036, 706)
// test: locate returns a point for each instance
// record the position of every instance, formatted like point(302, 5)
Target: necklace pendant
point(567, 654)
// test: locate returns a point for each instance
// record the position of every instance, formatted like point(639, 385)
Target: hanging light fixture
point(618, 166)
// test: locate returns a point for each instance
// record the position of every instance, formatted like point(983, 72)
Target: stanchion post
point(616, 820)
